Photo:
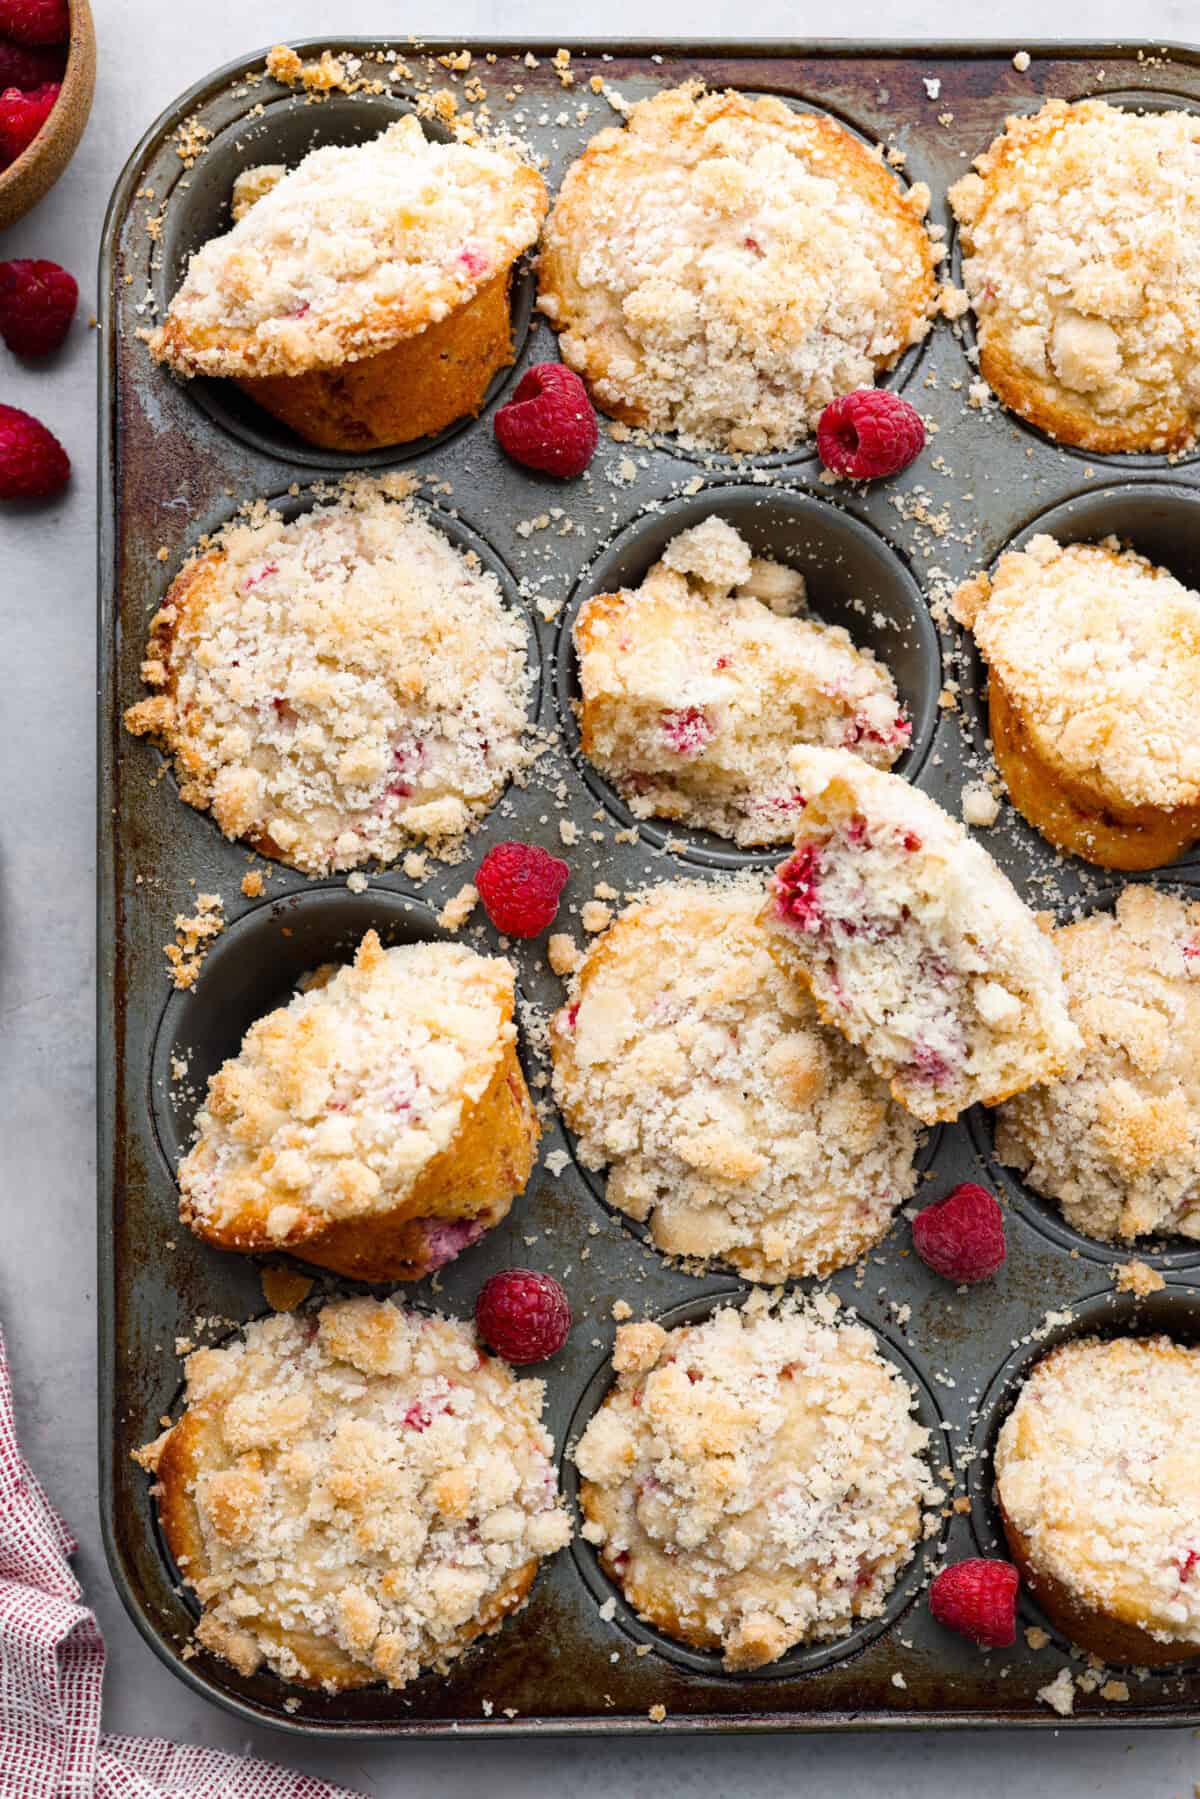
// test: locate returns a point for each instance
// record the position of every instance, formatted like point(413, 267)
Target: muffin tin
point(177, 462)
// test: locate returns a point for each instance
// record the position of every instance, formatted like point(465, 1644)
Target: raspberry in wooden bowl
point(48, 87)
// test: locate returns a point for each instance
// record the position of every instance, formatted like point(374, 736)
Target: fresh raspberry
point(519, 884)
point(22, 117)
point(869, 433)
point(26, 66)
point(37, 304)
point(33, 464)
point(549, 423)
point(962, 1235)
point(978, 1599)
point(36, 21)
point(523, 1315)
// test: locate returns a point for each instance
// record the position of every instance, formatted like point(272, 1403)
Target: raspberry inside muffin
point(696, 684)
point(755, 1481)
point(355, 1495)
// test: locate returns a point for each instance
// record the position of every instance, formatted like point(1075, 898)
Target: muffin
point(755, 1481)
point(723, 266)
point(730, 1119)
point(1116, 1142)
point(1098, 1483)
point(914, 944)
point(696, 684)
point(1081, 257)
point(377, 1124)
point(1094, 697)
point(339, 687)
point(356, 1494)
point(363, 297)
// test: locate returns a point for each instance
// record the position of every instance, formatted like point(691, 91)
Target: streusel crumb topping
point(757, 1480)
point(1117, 1140)
point(727, 1115)
point(723, 266)
point(340, 686)
point(1098, 1467)
point(697, 684)
point(359, 1491)
point(350, 253)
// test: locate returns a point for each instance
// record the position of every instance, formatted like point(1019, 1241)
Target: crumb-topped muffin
point(723, 266)
point(914, 944)
point(1081, 241)
point(755, 1481)
point(729, 1118)
point(377, 1124)
point(1098, 1482)
point(355, 1495)
point(696, 684)
point(362, 297)
point(1094, 696)
point(338, 687)
point(1116, 1141)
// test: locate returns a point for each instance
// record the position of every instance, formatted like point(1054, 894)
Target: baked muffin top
point(723, 266)
point(697, 683)
point(349, 253)
point(1099, 651)
point(1081, 233)
point(728, 1116)
point(1117, 1140)
point(355, 1494)
point(1098, 1467)
point(340, 686)
point(338, 1102)
point(757, 1480)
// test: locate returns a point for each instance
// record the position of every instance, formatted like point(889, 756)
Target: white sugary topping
point(353, 251)
point(1099, 651)
point(1082, 236)
point(697, 684)
point(723, 267)
point(369, 1492)
point(337, 1102)
point(914, 943)
point(1117, 1141)
point(757, 1480)
point(727, 1115)
point(1098, 1466)
point(340, 686)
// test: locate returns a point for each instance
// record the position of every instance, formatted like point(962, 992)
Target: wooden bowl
point(36, 170)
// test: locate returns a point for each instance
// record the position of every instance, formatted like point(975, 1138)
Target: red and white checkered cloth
point(52, 1670)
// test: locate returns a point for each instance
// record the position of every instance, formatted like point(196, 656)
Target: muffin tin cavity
point(198, 209)
point(855, 579)
point(806, 1659)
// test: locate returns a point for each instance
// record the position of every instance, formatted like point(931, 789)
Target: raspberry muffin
point(729, 1118)
point(340, 687)
point(377, 1124)
point(1081, 257)
point(756, 1481)
point(914, 944)
point(697, 684)
point(363, 297)
point(1116, 1142)
point(724, 266)
point(355, 1495)
point(1094, 697)
point(1098, 1483)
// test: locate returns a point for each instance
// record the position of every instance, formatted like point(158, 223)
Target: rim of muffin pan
point(1134, 100)
point(463, 537)
point(811, 1658)
point(1173, 1311)
point(807, 533)
point(198, 209)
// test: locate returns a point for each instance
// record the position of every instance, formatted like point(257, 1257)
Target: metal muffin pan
point(176, 462)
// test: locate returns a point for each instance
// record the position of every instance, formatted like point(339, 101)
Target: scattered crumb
point(657, 1714)
point(193, 935)
point(1021, 61)
point(456, 911)
point(979, 805)
point(898, 1680)
point(621, 1310)
point(1059, 1694)
point(285, 1288)
point(594, 915)
point(1115, 1690)
point(252, 883)
point(1137, 1277)
point(562, 953)
point(1036, 1637)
